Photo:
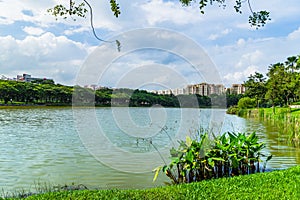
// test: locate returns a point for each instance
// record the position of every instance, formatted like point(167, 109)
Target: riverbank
point(284, 184)
point(286, 119)
point(58, 105)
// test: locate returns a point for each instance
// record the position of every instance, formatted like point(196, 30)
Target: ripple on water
point(42, 145)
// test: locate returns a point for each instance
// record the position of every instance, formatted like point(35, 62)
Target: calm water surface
point(109, 148)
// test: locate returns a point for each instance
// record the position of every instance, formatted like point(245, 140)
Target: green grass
point(278, 111)
point(283, 184)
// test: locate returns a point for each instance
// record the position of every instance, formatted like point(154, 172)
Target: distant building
point(219, 89)
point(237, 89)
point(177, 91)
point(205, 89)
point(94, 87)
point(28, 78)
point(164, 92)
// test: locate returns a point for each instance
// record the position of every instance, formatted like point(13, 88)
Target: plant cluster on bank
point(227, 155)
point(284, 184)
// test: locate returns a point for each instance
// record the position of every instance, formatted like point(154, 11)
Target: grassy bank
point(287, 120)
point(283, 184)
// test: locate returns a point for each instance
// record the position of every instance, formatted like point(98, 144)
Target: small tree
point(256, 87)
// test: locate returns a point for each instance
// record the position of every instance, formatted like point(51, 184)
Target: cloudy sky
point(32, 41)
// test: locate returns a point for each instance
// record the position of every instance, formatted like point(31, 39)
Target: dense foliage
point(281, 87)
point(246, 102)
point(230, 154)
point(283, 184)
point(14, 91)
point(45, 92)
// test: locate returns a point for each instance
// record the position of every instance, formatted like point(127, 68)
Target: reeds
point(283, 119)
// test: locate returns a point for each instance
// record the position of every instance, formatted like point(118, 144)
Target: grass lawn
point(278, 185)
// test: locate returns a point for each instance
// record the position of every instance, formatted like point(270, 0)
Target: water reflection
point(43, 145)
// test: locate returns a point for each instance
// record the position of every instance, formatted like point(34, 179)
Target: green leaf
point(157, 170)
point(188, 141)
point(218, 159)
point(175, 160)
point(269, 157)
point(114, 6)
point(190, 156)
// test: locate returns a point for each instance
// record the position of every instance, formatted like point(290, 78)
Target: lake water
point(109, 147)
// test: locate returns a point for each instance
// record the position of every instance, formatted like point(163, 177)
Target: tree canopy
point(282, 86)
point(49, 93)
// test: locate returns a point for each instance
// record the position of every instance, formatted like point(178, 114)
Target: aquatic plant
point(230, 154)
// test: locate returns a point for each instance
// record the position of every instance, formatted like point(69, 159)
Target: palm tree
point(290, 62)
point(298, 63)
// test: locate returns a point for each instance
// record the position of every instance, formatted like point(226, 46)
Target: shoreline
point(3, 106)
point(254, 186)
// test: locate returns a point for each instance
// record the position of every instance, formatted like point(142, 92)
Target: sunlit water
point(109, 148)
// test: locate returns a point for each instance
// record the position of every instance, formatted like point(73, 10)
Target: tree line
point(280, 86)
point(49, 93)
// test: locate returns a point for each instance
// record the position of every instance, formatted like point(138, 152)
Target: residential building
point(237, 89)
point(28, 78)
point(204, 89)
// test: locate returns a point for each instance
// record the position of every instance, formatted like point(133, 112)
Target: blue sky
point(34, 42)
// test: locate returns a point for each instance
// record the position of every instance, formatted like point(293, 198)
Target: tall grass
point(285, 119)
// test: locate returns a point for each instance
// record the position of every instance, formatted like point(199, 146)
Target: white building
point(237, 89)
point(28, 78)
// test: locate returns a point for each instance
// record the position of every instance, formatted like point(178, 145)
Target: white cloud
point(249, 58)
point(33, 30)
point(13, 10)
point(217, 31)
point(158, 11)
point(43, 55)
point(240, 76)
point(220, 34)
point(237, 61)
point(294, 35)
point(73, 31)
point(241, 42)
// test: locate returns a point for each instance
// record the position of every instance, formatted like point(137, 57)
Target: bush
point(230, 154)
point(246, 102)
point(232, 110)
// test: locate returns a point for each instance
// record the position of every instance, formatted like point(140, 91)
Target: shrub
point(246, 102)
point(232, 110)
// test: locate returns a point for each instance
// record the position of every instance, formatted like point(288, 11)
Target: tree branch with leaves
point(80, 8)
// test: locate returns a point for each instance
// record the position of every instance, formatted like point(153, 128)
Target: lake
point(110, 147)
